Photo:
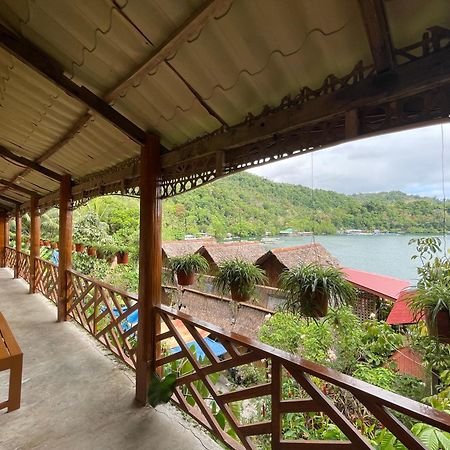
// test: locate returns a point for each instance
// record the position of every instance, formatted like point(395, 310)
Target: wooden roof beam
point(377, 29)
point(170, 46)
point(424, 74)
point(16, 187)
point(28, 163)
point(9, 200)
point(46, 66)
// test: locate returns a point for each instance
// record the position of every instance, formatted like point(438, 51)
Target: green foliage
point(378, 376)
point(191, 263)
point(88, 265)
point(305, 284)
point(433, 286)
point(161, 390)
point(241, 275)
point(247, 205)
point(124, 276)
point(90, 230)
point(379, 341)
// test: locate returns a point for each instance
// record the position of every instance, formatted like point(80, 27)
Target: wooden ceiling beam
point(16, 187)
point(28, 163)
point(170, 46)
point(418, 76)
point(46, 66)
point(378, 35)
point(9, 200)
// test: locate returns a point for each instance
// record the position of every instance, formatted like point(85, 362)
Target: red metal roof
point(400, 313)
point(381, 285)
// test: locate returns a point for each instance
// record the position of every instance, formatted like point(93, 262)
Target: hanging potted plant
point(239, 278)
point(186, 267)
point(79, 247)
point(122, 256)
point(311, 288)
point(54, 245)
point(430, 298)
point(46, 243)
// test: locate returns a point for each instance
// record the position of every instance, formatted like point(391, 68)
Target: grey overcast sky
point(408, 161)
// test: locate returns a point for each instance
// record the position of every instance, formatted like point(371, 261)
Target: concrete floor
point(74, 396)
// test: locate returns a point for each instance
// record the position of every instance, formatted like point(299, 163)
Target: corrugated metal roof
point(249, 55)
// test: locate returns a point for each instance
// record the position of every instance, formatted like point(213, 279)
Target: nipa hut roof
point(301, 254)
point(172, 249)
point(247, 251)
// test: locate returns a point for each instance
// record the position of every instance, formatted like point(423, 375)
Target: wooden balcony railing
point(202, 389)
point(107, 313)
point(47, 279)
point(24, 265)
point(10, 257)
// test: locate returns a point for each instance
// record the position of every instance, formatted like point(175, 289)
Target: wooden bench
point(11, 357)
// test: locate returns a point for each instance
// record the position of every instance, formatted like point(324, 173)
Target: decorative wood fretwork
point(107, 313)
point(47, 279)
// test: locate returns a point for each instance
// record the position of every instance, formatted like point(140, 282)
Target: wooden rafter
point(30, 164)
point(46, 66)
point(169, 46)
point(16, 187)
point(418, 76)
point(377, 29)
point(9, 200)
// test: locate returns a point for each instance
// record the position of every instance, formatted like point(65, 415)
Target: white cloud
point(408, 161)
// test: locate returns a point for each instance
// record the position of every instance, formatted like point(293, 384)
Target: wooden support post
point(65, 244)
point(3, 220)
point(150, 265)
point(18, 241)
point(35, 235)
point(7, 232)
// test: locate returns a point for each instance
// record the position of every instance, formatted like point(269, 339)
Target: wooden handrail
point(359, 388)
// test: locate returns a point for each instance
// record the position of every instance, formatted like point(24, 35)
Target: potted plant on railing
point(79, 247)
point(186, 267)
point(311, 288)
point(430, 298)
point(92, 250)
point(122, 256)
point(239, 278)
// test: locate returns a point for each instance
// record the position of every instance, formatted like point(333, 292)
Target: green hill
point(248, 205)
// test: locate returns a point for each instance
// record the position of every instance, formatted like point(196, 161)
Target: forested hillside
point(246, 205)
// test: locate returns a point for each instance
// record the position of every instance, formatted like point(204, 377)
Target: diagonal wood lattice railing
point(24, 265)
point(242, 351)
point(47, 279)
point(10, 257)
point(110, 315)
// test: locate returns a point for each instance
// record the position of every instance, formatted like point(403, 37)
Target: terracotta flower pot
point(54, 245)
point(237, 296)
point(185, 279)
point(122, 258)
point(46, 243)
point(92, 251)
point(441, 327)
point(317, 304)
point(79, 247)
point(41, 243)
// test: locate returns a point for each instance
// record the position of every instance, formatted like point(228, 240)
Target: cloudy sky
point(408, 161)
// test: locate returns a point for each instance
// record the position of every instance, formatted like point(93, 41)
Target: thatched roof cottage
point(275, 261)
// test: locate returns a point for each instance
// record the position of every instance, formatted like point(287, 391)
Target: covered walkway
point(73, 395)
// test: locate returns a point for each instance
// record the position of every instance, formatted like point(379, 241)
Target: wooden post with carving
point(65, 244)
point(3, 238)
point(18, 241)
point(35, 235)
point(150, 265)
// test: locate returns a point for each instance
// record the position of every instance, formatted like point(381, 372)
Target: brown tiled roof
point(301, 254)
point(180, 248)
point(248, 251)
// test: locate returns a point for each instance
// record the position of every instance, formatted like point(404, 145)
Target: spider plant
point(311, 288)
point(185, 267)
point(240, 278)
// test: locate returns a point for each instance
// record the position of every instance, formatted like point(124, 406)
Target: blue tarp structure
point(217, 348)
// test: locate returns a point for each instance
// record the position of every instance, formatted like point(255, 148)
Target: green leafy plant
point(161, 390)
point(310, 288)
point(240, 278)
point(431, 296)
point(186, 266)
